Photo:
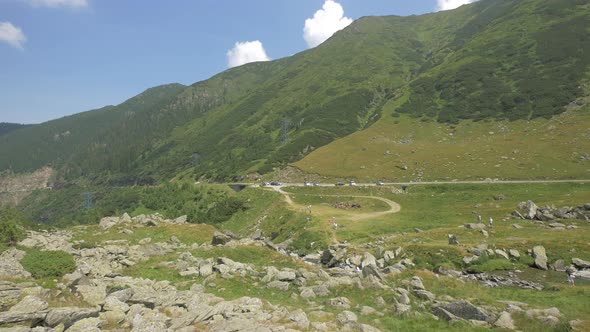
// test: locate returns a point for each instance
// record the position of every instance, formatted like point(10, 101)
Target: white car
point(352, 183)
point(308, 184)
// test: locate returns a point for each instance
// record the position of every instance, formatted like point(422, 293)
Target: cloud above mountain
point(12, 35)
point(59, 3)
point(246, 52)
point(452, 4)
point(324, 23)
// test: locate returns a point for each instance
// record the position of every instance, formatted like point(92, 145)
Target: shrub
point(43, 264)
point(10, 233)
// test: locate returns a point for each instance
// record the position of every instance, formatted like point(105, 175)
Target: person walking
point(479, 218)
point(491, 223)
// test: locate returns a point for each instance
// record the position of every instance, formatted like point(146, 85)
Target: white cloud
point(325, 23)
point(12, 35)
point(246, 52)
point(452, 4)
point(59, 3)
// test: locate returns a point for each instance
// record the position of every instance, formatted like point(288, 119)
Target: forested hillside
point(494, 59)
point(6, 127)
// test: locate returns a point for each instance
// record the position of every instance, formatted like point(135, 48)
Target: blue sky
point(59, 57)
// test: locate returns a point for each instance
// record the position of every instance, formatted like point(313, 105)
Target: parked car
point(316, 184)
point(275, 183)
point(379, 183)
point(307, 184)
point(352, 183)
point(265, 184)
point(339, 184)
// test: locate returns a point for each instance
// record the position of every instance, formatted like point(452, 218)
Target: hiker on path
point(491, 224)
point(479, 218)
point(570, 279)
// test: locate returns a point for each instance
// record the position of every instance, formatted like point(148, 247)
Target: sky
point(60, 57)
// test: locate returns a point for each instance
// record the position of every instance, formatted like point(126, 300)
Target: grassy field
point(538, 149)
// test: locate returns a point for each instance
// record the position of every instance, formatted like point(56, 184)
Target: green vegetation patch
point(43, 264)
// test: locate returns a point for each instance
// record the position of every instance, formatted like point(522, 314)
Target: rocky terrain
point(99, 295)
point(13, 188)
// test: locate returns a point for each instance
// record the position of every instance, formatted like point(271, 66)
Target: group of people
point(490, 223)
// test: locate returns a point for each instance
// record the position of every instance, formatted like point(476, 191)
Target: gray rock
point(307, 293)
point(286, 276)
point(372, 270)
point(368, 259)
point(402, 309)
point(220, 239)
point(505, 321)
point(86, 325)
point(416, 283)
point(540, 257)
point(30, 303)
point(453, 239)
point(346, 317)
point(11, 317)
point(517, 226)
point(366, 310)
point(475, 226)
point(424, 295)
point(93, 295)
point(9, 294)
point(501, 253)
point(299, 318)
point(583, 274)
point(112, 303)
point(388, 256)
point(10, 266)
point(514, 253)
point(442, 313)
point(529, 209)
point(582, 264)
point(281, 285)
point(339, 302)
point(465, 310)
point(69, 315)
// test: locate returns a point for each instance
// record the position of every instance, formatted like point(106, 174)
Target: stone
point(517, 214)
point(529, 209)
point(281, 285)
point(108, 222)
point(307, 293)
point(69, 315)
point(514, 253)
point(86, 325)
point(339, 302)
point(368, 259)
point(424, 295)
point(93, 295)
point(112, 303)
point(517, 226)
point(346, 317)
point(10, 266)
point(112, 317)
point(299, 318)
point(372, 270)
point(416, 283)
point(388, 256)
point(484, 232)
point(9, 294)
point(475, 226)
point(30, 303)
point(465, 310)
point(501, 253)
point(402, 309)
point(540, 257)
point(11, 317)
point(286, 276)
point(583, 274)
point(220, 239)
point(453, 239)
point(582, 264)
point(444, 314)
point(505, 321)
point(366, 310)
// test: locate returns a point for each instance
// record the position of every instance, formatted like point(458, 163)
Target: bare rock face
point(581, 263)
point(540, 257)
point(465, 310)
point(505, 321)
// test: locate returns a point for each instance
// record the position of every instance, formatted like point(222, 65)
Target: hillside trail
point(393, 206)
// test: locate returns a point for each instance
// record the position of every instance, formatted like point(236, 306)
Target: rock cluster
point(529, 210)
point(140, 221)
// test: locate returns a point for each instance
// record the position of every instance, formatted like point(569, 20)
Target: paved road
point(435, 182)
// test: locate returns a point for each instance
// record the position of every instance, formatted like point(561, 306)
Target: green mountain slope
point(6, 127)
point(490, 60)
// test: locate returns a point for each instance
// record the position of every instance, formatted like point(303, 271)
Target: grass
point(536, 149)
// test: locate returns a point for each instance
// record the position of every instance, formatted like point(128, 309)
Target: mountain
point(6, 127)
point(494, 60)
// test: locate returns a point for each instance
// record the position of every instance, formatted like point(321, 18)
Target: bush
point(43, 264)
point(10, 233)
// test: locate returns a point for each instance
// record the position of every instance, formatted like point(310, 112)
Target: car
point(265, 184)
point(352, 183)
point(339, 184)
point(316, 184)
point(275, 183)
point(307, 184)
point(379, 183)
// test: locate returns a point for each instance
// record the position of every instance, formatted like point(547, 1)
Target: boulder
point(372, 270)
point(475, 226)
point(441, 313)
point(582, 264)
point(9, 294)
point(286, 276)
point(339, 302)
point(11, 317)
point(368, 259)
point(281, 285)
point(424, 295)
point(299, 318)
point(86, 325)
point(453, 239)
point(501, 253)
point(346, 317)
point(540, 257)
point(505, 321)
point(583, 274)
point(30, 303)
point(416, 283)
point(10, 266)
point(220, 239)
point(69, 315)
point(465, 310)
point(514, 253)
point(529, 209)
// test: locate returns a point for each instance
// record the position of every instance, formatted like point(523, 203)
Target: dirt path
point(393, 206)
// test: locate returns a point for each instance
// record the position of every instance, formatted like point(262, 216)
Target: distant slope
point(6, 127)
point(494, 59)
